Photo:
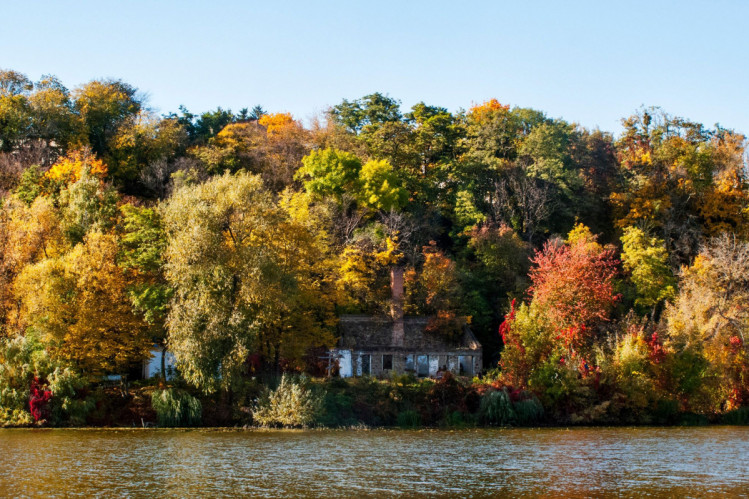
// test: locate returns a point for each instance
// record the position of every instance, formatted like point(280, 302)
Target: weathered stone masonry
point(379, 346)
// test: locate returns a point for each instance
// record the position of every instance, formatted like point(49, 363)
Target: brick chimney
point(396, 305)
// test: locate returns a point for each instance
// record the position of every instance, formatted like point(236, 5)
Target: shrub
point(693, 419)
point(457, 419)
point(25, 362)
point(176, 408)
point(496, 408)
point(666, 412)
point(445, 397)
point(292, 404)
point(528, 411)
point(738, 416)
point(409, 419)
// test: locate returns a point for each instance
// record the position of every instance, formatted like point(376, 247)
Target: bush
point(496, 408)
point(738, 416)
point(666, 412)
point(176, 408)
point(445, 397)
point(528, 411)
point(23, 360)
point(337, 410)
point(409, 419)
point(457, 419)
point(292, 404)
point(693, 419)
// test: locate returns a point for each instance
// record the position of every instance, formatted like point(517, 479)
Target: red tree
point(574, 285)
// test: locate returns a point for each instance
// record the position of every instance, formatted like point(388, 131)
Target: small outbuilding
point(367, 347)
point(381, 345)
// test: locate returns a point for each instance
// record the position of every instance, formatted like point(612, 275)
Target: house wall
point(152, 366)
point(350, 361)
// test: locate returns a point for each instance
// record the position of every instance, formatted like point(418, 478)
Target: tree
point(574, 284)
point(440, 290)
point(436, 135)
point(86, 205)
point(146, 141)
point(69, 168)
point(681, 179)
point(55, 121)
point(15, 110)
point(272, 146)
point(209, 124)
point(330, 172)
point(380, 187)
point(78, 303)
point(142, 246)
point(243, 275)
point(283, 149)
point(369, 111)
point(549, 344)
point(28, 234)
point(708, 326)
point(646, 259)
point(104, 106)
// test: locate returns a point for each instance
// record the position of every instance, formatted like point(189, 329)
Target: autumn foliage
point(574, 283)
point(237, 239)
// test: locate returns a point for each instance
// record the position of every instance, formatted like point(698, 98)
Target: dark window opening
point(387, 362)
point(422, 365)
point(409, 363)
point(466, 364)
point(366, 364)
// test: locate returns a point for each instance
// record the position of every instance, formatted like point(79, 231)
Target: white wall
point(344, 361)
point(152, 366)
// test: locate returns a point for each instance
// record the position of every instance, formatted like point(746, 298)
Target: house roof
point(366, 332)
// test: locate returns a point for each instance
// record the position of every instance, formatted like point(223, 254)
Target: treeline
point(614, 268)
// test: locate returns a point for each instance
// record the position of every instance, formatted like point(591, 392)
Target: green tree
point(381, 187)
point(87, 205)
point(105, 106)
point(330, 172)
point(646, 259)
point(243, 276)
point(15, 110)
point(142, 246)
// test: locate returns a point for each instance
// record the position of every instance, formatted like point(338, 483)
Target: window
point(366, 364)
point(409, 363)
point(466, 364)
point(387, 362)
point(422, 365)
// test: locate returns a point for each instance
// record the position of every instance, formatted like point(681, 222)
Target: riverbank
point(363, 403)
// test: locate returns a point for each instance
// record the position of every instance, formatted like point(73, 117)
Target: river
point(686, 462)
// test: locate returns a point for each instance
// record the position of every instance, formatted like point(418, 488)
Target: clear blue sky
point(592, 62)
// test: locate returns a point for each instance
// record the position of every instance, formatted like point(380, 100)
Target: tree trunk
point(163, 364)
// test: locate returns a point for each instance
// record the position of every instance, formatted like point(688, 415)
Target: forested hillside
point(600, 273)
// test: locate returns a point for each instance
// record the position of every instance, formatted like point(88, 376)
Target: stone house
point(380, 345)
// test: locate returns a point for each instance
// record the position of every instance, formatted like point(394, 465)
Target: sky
point(589, 62)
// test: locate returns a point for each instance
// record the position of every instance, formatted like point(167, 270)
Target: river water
point(654, 462)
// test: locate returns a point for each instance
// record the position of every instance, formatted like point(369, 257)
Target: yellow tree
point(27, 235)
point(78, 303)
point(68, 168)
point(272, 147)
point(246, 277)
point(683, 180)
point(708, 326)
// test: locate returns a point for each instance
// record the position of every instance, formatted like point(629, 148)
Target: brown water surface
point(653, 462)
